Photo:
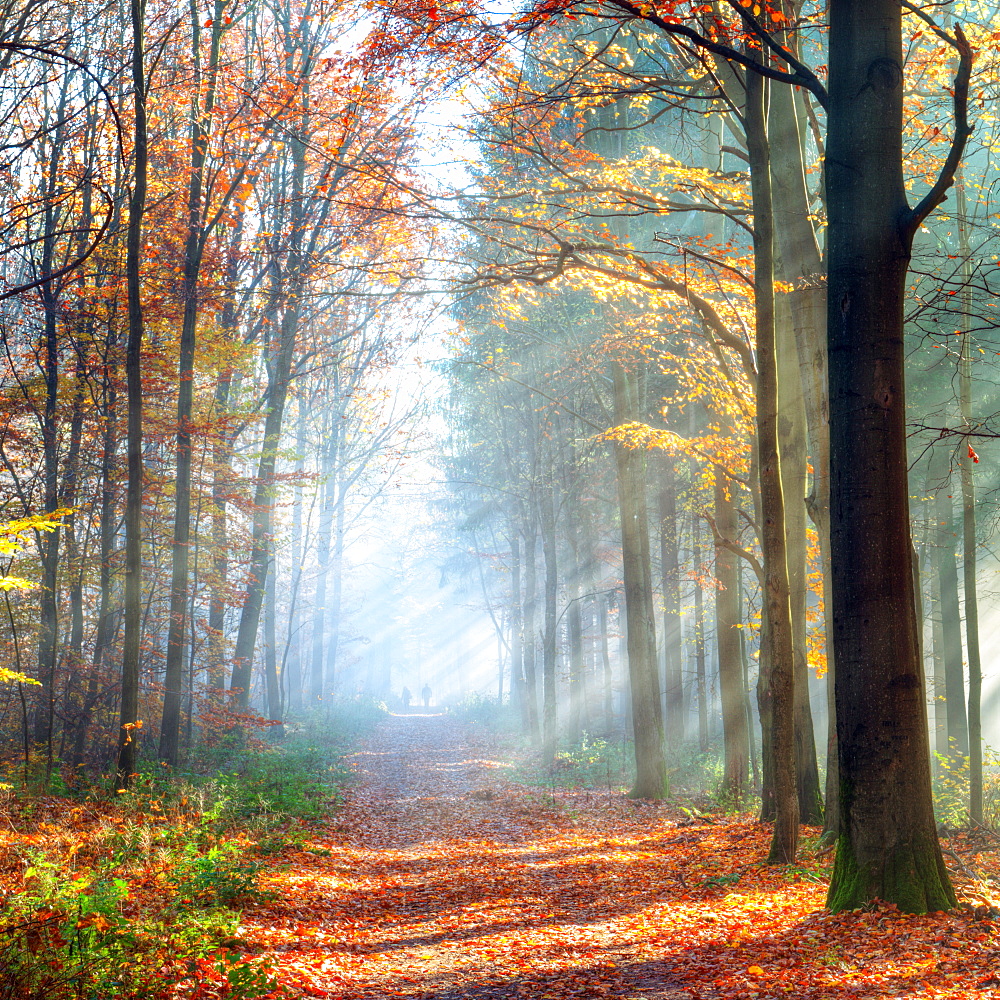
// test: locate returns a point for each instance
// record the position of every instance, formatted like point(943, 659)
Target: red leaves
point(973, 455)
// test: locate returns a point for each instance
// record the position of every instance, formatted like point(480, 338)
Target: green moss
point(911, 877)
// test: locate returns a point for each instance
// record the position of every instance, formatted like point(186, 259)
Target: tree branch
point(939, 191)
point(735, 548)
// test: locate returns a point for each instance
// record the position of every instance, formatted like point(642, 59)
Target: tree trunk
point(969, 561)
point(327, 490)
point(277, 394)
point(802, 269)
point(950, 609)
point(888, 846)
point(776, 601)
point(670, 571)
point(294, 668)
point(133, 377)
point(647, 725)
point(201, 118)
point(727, 621)
point(272, 682)
point(338, 587)
point(518, 692)
point(700, 672)
point(530, 645)
point(549, 710)
point(792, 440)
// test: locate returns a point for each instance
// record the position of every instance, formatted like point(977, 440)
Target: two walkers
point(425, 694)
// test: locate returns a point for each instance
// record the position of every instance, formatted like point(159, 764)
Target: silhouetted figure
point(426, 695)
point(406, 698)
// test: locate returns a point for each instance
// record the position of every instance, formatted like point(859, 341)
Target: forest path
point(441, 879)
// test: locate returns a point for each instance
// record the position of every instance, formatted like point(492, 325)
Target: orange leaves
point(440, 876)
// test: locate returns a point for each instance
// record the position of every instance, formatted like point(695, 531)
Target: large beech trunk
point(888, 846)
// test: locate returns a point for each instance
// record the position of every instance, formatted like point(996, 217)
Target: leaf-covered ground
point(441, 879)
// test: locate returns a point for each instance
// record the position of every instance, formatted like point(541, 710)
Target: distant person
point(406, 697)
point(426, 695)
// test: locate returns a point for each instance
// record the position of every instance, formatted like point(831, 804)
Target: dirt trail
point(441, 879)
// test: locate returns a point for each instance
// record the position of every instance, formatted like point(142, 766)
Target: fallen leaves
point(440, 879)
point(446, 880)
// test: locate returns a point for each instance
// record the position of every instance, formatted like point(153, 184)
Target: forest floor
point(441, 878)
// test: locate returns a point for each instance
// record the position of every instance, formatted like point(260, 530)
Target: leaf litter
point(441, 878)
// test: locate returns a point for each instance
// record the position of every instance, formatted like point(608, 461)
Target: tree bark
point(969, 559)
point(776, 601)
point(530, 644)
point(792, 440)
point(950, 608)
point(133, 376)
point(670, 571)
point(727, 621)
point(888, 846)
point(547, 520)
point(193, 246)
point(647, 725)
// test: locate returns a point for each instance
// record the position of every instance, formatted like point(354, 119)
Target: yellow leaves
point(755, 970)
point(8, 676)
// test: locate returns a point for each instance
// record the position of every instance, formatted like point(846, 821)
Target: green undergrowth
point(141, 892)
point(606, 762)
point(479, 709)
point(951, 789)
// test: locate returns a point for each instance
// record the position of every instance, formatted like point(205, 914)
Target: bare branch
point(939, 190)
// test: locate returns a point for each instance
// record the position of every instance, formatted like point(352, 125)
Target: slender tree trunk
point(338, 586)
point(727, 622)
point(180, 570)
point(272, 682)
point(574, 626)
point(549, 709)
point(950, 609)
point(279, 378)
point(700, 626)
point(133, 377)
point(792, 441)
point(246, 638)
point(294, 667)
point(102, 639)
point(327, 490)
point(777, 607)
point(670, 570)
point(969, 560)
point(647, 724)
point(801, 268)
point(516, 632)
point(74, 560)
point(608, 685)
point(530, 644)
